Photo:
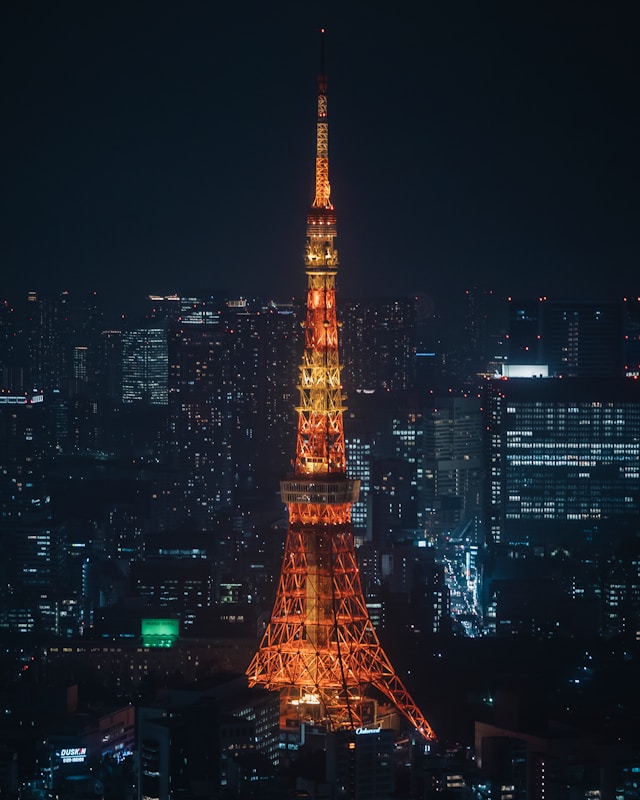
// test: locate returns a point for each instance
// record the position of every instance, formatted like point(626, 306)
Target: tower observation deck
point(320, 649)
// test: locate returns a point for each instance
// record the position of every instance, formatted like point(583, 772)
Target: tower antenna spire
point(323, 187)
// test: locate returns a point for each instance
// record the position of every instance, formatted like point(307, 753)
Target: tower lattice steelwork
point(320, 649)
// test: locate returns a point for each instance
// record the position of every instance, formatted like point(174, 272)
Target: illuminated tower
point(320, 649)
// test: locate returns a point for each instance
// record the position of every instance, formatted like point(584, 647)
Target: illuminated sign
point(20, 399)
point(525, 370)
point(72, 755)
point(360, 731)
point(159, 632)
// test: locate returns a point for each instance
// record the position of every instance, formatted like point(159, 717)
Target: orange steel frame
point(320, 649)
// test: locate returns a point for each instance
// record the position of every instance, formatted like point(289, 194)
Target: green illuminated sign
point(159, 632)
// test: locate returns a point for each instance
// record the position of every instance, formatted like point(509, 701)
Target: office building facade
point(563, 461)
point(574, 339)
point(145, 365)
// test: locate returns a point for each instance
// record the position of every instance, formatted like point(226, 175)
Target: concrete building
point(575, 339)
point(562, 461)
point(209, 742)
point(145, 365)
point(361, 763)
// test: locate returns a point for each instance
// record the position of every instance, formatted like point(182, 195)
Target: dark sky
point(156, 147)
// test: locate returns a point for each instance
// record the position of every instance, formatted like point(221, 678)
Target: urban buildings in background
point(497, 530)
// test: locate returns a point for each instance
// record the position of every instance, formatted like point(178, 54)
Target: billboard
point(159, 632)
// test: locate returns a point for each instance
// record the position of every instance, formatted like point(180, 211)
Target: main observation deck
point(327, 492)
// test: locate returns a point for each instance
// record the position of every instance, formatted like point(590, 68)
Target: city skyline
point(156, 584)
point(490, 147)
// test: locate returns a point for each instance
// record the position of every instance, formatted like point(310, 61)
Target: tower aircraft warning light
point(320, 649)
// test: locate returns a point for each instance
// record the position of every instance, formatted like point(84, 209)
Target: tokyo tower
point(320, 649)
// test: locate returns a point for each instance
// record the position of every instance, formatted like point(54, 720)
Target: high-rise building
point(484, 328)
point(8, 342)
point(386, 443)
point(394, 505)
point(110, 365)
point(361, 763)
point(49, 329)
point(562, 461)
point(631, 352)
point(25, 443)
point(450, 479)
point(282, 339)
point(263, 339)
point(583, 340)
point(145, 365)
point(163, 308)
point(525, 332)
point(377, 343)
point(178, 586)
point(574, 339)
point(209, 742)
point(80, 363)
point(29, 544)
point(200, 422)
point(359, 456)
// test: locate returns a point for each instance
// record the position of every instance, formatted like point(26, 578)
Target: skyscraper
point(574, 339)
point(145, 365)
point(200, 422)
point(377, 343)
point(8, 364)
point(28, 544)
point(562, 461)
point(48, 329)
point(450, 481)
point(583, 340)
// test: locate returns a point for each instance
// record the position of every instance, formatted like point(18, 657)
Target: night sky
point(160, 147)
